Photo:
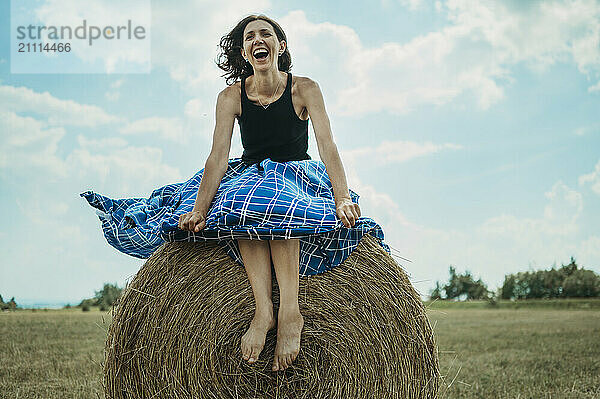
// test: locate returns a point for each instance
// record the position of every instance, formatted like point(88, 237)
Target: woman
point(274, 204)
point(262, 47)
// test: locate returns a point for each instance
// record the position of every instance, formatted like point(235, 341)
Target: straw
point(176, 331)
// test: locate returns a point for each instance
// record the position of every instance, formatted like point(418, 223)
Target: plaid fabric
point(265, 201)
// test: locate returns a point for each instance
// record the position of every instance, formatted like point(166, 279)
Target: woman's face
point(260, 45)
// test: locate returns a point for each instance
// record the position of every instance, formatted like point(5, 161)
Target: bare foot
point(253, 341)
point(289, 329)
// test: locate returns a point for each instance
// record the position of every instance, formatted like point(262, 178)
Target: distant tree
point(454, 288)
point(553, 283)
point(462, 286)
point(108, 295)
point(475, 289)
point(567, 281)
point(10, 305)
point(436, 293)
point(520, 286)
point(508, 288)
point(582, 284)
point(570, 268)
point(88, 302)
point(103, 298)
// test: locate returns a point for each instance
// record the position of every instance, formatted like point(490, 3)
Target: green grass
point(566, 303)
point(530, 352)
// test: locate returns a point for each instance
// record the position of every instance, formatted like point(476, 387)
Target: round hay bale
point(176, 331)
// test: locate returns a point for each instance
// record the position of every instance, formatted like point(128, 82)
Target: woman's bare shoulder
point(230, 97)
point(232, 92)
point(305, 87)
point(229, 100)
point(303, 82)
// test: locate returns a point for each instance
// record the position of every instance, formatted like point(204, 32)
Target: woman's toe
point(254, 355)
point(245, 351)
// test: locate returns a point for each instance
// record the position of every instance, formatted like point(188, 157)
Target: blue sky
point(470, 131)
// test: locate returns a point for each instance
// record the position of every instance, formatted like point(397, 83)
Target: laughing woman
point(274, 206)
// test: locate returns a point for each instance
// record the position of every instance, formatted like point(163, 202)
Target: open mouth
point(260, 54)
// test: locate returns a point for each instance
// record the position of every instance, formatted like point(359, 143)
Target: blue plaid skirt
point(265, 201)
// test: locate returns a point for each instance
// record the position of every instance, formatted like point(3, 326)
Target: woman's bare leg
point(286, 260)
point(257, 261)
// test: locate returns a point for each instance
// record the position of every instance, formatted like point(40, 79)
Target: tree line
point(103, 298)
point(10, 305)
point(568, 281)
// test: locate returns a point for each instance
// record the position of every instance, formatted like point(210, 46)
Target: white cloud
point(559, 219)
point(381, 207)
point(197, 109)
point(117, 83)
point(187, 47)
point(397, 151)
point(101, 144)
point(56, 111)
point(506, 243)
point(30, 150)
point(497, 246)
point(45, 176)
point(592, 178)
point(72, 249)
point(589, 251)
point(473, 55)
point(412, 4)
point(166, 128)
point(200, 121)
point(564, 208)
point(61, 113)
point(30, 147)
point(114, 94)
point(114, 55)
point(594, 88)
point(28, 144)
point(124, 170)
point(592, 128)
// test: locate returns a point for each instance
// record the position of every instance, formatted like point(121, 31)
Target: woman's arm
point(216, 163)
point(312, 97)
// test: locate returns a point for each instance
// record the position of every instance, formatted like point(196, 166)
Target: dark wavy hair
point(230, 58)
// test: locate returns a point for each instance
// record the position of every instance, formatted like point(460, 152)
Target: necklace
point(271, 98)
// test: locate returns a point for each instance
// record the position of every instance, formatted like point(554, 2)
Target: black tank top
point(276, 132)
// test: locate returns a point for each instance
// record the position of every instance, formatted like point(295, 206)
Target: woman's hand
point(347, 211)
point(192, 221)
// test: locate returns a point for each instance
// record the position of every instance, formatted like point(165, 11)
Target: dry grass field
point(524, 352)
point(51, 354)
point(518, 353)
